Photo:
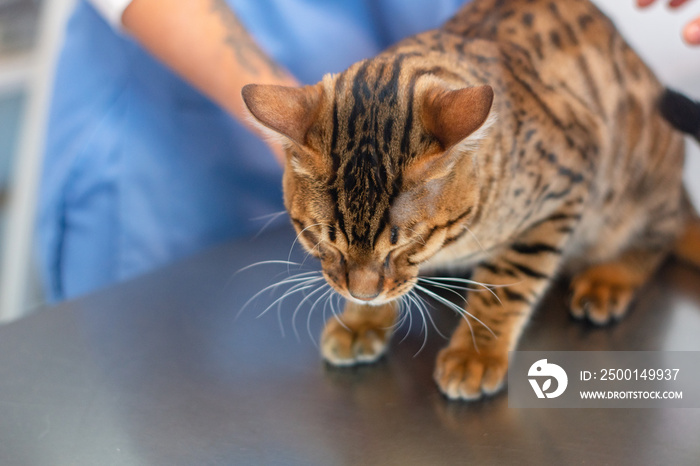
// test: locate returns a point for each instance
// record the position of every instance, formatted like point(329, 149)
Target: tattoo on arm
point(248, 53)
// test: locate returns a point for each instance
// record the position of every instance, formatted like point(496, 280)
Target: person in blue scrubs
point(149, 156)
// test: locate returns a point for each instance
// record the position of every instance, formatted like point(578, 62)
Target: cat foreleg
point(476, 360)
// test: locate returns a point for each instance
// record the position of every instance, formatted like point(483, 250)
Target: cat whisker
point(336, 311)
point(421, 304)
point(422, 241)
point(325, 307)
point(260, 263)
point(472, 282)
point(407, 314)
point(299, 287)
point(463, 312)
point(296, 282)
point(417, 300)
point(328, 304)
point(334, 306)
point(273, 214)
point(299, 275)
point(337, 307)
point(484, 250)
point(287, 281)
point(485, 286)
point(268, 262)
point(404, 311)
point(402, 314)
point(405, 302)
point(291, 248)
point(298, 308)
point(432, 322)
point(272, 217)
point(401, 311)
point(453, 287)
point(424, 330)
point(308, 317)
point(279, 305)
point(308, 253)
point(447, 288)
point(279, 319)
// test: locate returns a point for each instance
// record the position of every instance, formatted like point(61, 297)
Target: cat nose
point(364, 283)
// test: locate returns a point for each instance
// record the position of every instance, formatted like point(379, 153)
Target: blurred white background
point(655, 33)
point(30, 37)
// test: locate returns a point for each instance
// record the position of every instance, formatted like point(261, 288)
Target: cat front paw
point(465, 374)
point(346, 345)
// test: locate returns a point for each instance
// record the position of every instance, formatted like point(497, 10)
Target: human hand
point(691, 32)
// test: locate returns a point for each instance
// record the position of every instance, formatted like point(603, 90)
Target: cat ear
point(453, 115)
point(289, 111)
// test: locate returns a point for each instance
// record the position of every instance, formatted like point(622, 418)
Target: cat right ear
point(288, 111)
point(453, 115)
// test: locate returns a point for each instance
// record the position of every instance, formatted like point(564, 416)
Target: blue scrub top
point(141, 169)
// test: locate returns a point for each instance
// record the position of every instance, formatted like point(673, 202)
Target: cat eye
point(394, 235)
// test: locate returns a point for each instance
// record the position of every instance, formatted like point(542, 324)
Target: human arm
point(204, 42)
point(691, 31)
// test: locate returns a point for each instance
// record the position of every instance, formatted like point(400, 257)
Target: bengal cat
point(522, 140)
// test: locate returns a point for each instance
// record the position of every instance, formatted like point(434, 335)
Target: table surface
point(162, 371)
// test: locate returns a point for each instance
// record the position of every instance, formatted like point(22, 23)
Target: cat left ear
point(453, 115)
point(289, 111)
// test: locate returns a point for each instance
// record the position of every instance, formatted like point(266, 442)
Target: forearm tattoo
point(247, 51)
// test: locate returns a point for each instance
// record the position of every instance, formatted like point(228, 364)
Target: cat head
point(380, 170)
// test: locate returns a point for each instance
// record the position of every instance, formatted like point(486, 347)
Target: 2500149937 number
point(639, 374)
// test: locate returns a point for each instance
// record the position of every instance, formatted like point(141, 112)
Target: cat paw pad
point(346, 346)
